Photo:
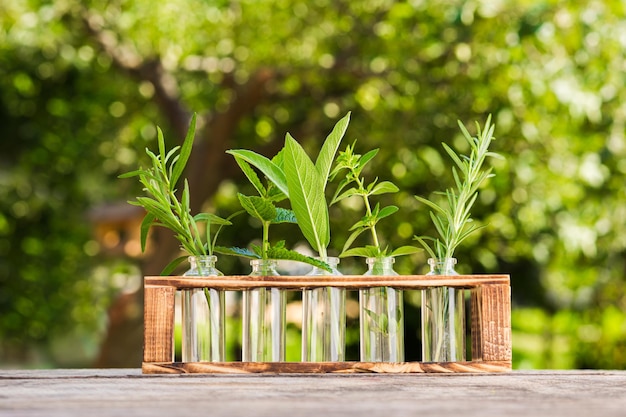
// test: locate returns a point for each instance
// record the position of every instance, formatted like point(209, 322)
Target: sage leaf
point(306, 193)
point(272, 171)
point(326, 156)
point(251, 175)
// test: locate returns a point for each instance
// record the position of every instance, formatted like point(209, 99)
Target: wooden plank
point(242, 282)
point(158, 323)
point(126, 392)
point(491, 323)
point(323, 367)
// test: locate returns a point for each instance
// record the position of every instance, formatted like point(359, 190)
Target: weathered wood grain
point(491, 323)
point(325, 367)
point(158, 323)
point(126, 392)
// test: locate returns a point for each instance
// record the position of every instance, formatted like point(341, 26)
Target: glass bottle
point(324, 319)
point(443, 317)
point(381, 317)
point(263, 322)
point(202, 311)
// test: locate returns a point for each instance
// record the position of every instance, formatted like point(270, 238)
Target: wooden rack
point(490, 311)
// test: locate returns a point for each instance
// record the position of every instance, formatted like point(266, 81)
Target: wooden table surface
point(126, 392)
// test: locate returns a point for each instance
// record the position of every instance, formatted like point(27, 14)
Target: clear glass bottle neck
point(380, 266)
point(263, 267)
point(332, 262)
point(441, 266)
point(202, 266)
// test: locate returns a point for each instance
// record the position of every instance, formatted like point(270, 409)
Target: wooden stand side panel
point(158, 329)
point(491, 323)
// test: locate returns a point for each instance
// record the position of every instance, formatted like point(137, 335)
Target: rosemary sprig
point(165, 209)
point(453, 220)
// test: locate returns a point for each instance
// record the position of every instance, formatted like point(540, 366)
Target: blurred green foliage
point(552, 73)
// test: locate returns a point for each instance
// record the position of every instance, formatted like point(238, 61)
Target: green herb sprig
point(352, 164)
point(165, 209)
point(453, 220)
point(304, 182)
point(263, 208)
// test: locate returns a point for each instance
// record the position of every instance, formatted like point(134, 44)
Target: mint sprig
point(353, 164)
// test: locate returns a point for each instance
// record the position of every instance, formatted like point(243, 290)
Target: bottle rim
point(385, 259)
point(441, 261)
point(202, 258)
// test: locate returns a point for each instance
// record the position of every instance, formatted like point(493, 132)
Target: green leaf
point(422, 241)
point(455, 158)
point(169, 268)
point(284, 216)
point(384, 187)
point(279, 159)
point(387, 211)
point(185, 152)
point(163, 216)
point(257, 207)
point(366, 252)
point(132, 174)
point(306, 191)
point(352, 238)
point(272, 171)
point(211, 218)
point(326, 156)
point(219, 229)
point(274, 194)
point(432, 205)
point(146, 223)
point(291, 255)
point(251, 175)
point(405, 250)
point(439, 225)
point(348, 193)
point(366, 158)
point(342, 184)
point(235, 251)
point(161, 142)
point(185, 203)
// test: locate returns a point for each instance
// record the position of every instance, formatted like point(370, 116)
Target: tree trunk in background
point(207, 166)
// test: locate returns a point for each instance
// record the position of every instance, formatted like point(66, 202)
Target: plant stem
point(368, 210)
point(266, 239)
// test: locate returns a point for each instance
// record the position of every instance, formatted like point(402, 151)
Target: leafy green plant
point(165, 209)
point(353, 165)
point(452, 220)
point(304, 182)
point(263, 208)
